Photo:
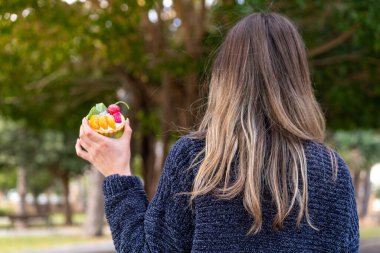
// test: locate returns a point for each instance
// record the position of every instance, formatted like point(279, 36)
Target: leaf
point(100, 107)
point(96, 110)
point(93, 111)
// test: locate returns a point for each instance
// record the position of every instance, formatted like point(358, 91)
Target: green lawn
point(366, 233)
point(59, 218)
point(19, 243)
point(56, 219)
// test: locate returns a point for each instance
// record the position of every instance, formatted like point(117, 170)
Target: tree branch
point(145, 90)
point(336, 59)
point(46, 80)
point(201, 21)
point(333, 43)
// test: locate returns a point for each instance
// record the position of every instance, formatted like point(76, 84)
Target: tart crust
point(114, 133)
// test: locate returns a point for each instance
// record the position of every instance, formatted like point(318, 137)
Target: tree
point(361, 150)
point(38, 184)
point(82, 53)
point(41, 154)
point(17, 155)
point(57, 155)
point(95, 205)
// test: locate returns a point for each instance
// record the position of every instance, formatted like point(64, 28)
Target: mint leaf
point(93, 111)
point(101, 107)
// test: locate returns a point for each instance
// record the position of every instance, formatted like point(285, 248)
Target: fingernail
point(128, 121)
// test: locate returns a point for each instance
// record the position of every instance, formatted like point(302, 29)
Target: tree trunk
point(366, 195)
point(21, 190)
point(192, 95)
point(194, 23)
point(356, 182)
point(66, 193)
point(37, 207)
point(166, 116)
point(148, 158)
point(93, 225)
point(48, 203)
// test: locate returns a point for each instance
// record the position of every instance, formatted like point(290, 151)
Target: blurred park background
point(58, 58)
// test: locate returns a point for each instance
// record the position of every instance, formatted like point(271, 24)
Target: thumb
point(127, 130)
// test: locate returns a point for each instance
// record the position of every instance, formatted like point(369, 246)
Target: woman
point(254, 177)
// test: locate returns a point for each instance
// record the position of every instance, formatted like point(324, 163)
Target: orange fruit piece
point(103, 122)
point(111, 121)
point(94, 122)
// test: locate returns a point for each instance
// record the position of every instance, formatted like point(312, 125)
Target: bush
point(5, 211)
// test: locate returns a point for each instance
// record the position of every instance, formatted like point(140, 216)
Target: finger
point(80, 152)
point(84, 140)
point(81, 133)
point(90, 133)
point(84, 145)
point(127, 130)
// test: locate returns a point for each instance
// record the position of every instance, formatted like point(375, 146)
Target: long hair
point(261, 107)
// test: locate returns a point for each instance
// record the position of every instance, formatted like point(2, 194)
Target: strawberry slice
point(117, 117)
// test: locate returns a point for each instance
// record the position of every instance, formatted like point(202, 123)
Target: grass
point(19, 243)
point(370, 232)
point(57, 219)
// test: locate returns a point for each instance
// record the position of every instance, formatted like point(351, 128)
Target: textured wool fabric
point(169, 224)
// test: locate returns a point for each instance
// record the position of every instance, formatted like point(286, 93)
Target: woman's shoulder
point(187, 145)
point(326, 165)
point(321, 152)
point(183, 153)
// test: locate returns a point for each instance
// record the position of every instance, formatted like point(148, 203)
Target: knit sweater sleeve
point(165, 224)
point(353, 220)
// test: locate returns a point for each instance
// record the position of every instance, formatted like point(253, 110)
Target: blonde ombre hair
point(261, 107)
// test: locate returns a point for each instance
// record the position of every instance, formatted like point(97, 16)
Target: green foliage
point(60, 59)
point(361, 148)
point(149, 122)
point(7, 179)
point(15, 150)
point(43, 154)
point(345, 74)
point(40, 181)
point(5, 211)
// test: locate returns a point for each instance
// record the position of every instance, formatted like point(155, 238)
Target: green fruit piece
point(93, 111)
point(96, 110)
point(118, 134)
point(100, 107)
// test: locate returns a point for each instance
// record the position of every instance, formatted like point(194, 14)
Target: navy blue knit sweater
point(168, 224)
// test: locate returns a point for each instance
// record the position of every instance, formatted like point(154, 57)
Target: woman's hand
point(108, 155)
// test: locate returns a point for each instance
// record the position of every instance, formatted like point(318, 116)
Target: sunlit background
point(59, 58)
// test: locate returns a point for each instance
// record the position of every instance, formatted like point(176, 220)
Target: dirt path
point(370, 246)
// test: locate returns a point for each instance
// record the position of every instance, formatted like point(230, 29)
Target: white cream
point(110, 129)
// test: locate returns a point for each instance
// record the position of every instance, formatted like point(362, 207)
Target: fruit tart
point(107, 121)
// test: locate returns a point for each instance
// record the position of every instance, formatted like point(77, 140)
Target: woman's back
point(215, 225)
point(221, 225)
